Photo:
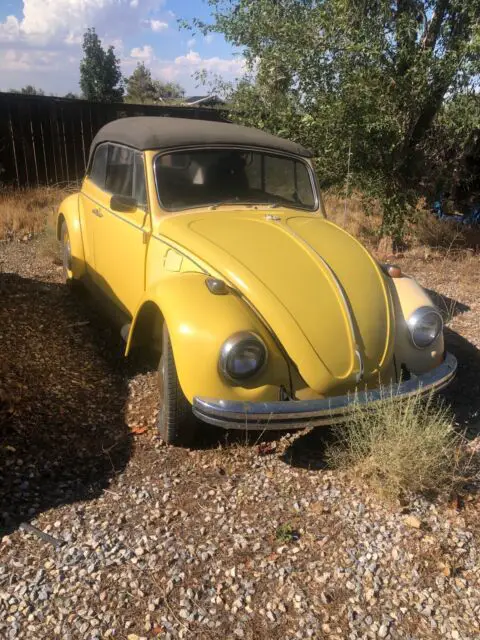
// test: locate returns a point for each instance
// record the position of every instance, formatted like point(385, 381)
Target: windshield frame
point(219, 203)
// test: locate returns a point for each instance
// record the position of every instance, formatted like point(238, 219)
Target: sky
point(40, 41)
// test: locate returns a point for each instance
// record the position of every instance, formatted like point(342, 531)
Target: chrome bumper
point(296, 414)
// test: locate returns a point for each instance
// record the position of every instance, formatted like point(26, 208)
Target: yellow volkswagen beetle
point(211, 242)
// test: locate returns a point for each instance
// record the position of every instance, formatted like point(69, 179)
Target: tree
point(140, 86)
point(29, 90)
point(142, 89)
point(369, 76)
point(100, 75)
point(169, 91)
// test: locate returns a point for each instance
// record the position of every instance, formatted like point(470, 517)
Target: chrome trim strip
point(305, 413)
point(108, 210)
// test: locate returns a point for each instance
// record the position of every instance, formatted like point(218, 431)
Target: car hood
point(315, 286)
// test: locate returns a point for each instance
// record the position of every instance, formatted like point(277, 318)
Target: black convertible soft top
point(150, 132)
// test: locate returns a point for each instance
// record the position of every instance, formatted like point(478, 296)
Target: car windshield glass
point(205, 177)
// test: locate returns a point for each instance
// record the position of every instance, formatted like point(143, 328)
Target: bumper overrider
point(296, 414)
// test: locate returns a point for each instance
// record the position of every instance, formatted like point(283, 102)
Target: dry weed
point(355, 215)
point(26, 211)
point(443, 235)
point(401, 447)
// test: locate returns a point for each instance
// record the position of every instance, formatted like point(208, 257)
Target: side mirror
point(123, 204)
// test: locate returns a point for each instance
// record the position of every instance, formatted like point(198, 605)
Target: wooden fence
point(46, 140)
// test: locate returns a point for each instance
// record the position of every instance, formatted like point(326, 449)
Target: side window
point(99, 165)
point(119, 179)
point(139, 187)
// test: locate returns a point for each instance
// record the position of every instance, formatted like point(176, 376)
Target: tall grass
point(26, 211)
point(355, 215)
point(401, 447)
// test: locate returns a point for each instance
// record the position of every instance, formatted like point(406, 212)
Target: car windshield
point(204, 177)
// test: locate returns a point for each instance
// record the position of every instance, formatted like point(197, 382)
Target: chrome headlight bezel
point(242, 339)
point(414, 323)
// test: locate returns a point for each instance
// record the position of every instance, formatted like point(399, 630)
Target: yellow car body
point(332, 320)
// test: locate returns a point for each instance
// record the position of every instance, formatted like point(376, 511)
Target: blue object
point(472, 218)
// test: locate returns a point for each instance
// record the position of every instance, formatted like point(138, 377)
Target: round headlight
point(242, 356)
point(425, 324)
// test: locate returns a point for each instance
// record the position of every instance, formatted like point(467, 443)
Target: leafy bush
point(400, 447)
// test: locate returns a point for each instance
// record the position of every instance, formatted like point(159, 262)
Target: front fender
point(69, 211)
point(199, 322)
point(408, 296)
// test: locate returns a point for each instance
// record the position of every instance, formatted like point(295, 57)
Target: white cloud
point(194, 62)
point(143, 53)
point(158, 25)
point(209, 38)
point(43, 45)
point(30, 60)
point(10, 29)
point(47, 21)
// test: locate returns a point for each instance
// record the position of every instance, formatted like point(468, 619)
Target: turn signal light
point(216, 286)
point(392, 270)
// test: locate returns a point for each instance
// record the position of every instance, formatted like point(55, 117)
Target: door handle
point(97, 212)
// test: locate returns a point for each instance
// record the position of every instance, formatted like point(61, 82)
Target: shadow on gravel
point(448, 307)
point(63, 388)
point(464, 393)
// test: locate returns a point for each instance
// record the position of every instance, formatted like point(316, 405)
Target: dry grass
point(425, 232)
point(360, 218)
point(402, 448)
point(25, 212)
point(443, 235)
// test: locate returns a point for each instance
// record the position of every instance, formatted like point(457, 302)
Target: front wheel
point(176, 422)
point(67, 258)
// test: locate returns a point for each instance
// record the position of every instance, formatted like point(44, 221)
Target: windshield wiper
point(270, 205)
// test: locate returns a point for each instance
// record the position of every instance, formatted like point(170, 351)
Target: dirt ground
point(234, 539)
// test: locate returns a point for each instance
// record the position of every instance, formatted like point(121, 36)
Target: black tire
point(176, 422)
point(66, 256)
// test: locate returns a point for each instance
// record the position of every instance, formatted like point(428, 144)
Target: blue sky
point(40, 41)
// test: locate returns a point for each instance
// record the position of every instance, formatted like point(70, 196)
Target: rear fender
point(199, 322)
point(69, 213)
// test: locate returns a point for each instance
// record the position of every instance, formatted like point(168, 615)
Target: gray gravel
point(168, 543)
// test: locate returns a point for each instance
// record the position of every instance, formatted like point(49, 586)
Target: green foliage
point(169, 91)
point(100, 75)
point(285, 533)
point(143, 89)
point(454, 165)
point(370, 74)
point(140, 86)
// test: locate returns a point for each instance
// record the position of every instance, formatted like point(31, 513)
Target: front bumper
point(297, 414)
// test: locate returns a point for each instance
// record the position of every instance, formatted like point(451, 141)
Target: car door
point(121, 237)
point(92, 198)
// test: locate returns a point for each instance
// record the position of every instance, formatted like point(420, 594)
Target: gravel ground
point(233, 540)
